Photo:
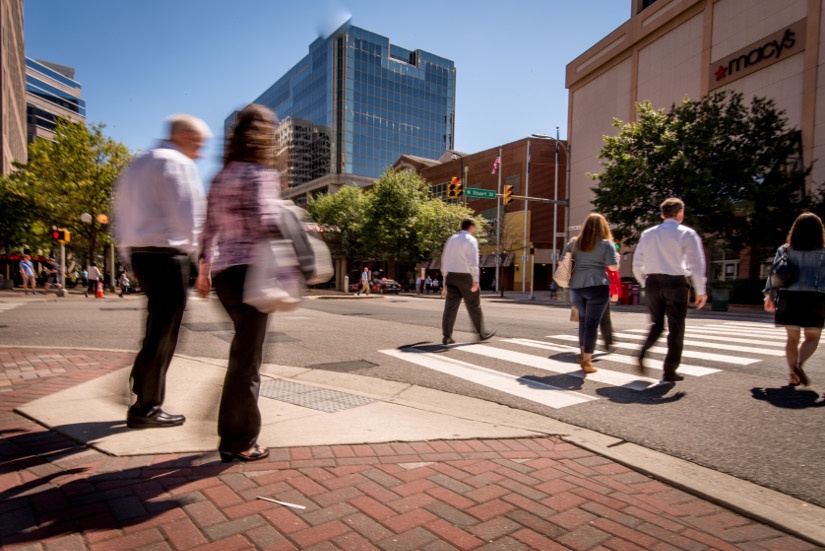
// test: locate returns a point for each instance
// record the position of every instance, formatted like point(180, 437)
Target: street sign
point(480, 193)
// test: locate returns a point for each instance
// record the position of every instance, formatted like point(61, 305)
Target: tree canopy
point(64, 178)
point(737, 166)
point(395, 221)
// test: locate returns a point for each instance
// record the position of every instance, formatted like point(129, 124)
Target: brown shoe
point(640, 365)
point(587, 366)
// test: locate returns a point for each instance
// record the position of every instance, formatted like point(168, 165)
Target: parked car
point(390, 287)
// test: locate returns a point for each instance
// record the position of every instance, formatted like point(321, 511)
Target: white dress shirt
point(159, 201)
point(461, 255)
point(671, 249)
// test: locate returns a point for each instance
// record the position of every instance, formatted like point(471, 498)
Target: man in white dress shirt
point(159, 210)
point(667, 258)
point(459, 262)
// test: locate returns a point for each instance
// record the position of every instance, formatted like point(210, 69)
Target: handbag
point(564, 271)
point(273, 282)
point(783, 273)
point(314, 258)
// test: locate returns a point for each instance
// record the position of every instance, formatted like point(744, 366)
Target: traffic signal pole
point(499, 286)
point(61, 292)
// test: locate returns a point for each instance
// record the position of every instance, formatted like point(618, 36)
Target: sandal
point(256, 453)
point(793, 380)
point(800, 374)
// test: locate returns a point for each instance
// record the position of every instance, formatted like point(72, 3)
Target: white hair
point(187, 123)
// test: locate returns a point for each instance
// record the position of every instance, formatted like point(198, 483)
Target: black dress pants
point(458, 289)
point(239, 419)
point(164, 276)
point(667, 298)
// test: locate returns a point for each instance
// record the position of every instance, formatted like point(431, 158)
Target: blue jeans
point(591, 303)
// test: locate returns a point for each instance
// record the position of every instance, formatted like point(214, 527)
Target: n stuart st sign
point(760, 54)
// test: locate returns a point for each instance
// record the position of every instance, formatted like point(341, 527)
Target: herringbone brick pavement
point(514, 494)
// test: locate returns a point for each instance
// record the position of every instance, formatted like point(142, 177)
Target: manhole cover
point(344, 367)
point(312, 397)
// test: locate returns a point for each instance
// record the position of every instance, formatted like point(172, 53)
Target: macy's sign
point(758, 55)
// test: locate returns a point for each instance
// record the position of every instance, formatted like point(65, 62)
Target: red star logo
point(721, 72)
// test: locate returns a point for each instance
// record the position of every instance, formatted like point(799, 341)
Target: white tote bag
point(274, 282)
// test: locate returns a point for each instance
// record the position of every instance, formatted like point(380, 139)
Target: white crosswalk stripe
point(684, 369)
point(612, 368)
point(517, 386)
point(6, 306)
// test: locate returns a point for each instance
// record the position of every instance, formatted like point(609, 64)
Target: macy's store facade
point(670, 49)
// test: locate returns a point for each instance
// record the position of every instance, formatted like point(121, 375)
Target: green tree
point(20, 214)
point(736, 166)
point(346, 212)
point(73, 174)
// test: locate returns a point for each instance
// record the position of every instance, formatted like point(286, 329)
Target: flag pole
point(526, 203)
point(499, 221)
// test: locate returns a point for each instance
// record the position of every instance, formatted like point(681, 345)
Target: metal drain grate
point(344, 367)
point(312, 397)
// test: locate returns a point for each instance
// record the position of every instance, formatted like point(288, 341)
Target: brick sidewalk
point(472, 494)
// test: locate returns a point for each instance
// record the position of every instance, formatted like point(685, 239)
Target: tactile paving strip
point(312, 397)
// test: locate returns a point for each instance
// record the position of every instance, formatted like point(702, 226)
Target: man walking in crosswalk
point(459, 262)
point(666, 257)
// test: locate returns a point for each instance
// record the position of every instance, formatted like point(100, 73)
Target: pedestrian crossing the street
point(718, 346)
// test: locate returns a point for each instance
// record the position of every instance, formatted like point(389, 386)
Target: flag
point(496, 164)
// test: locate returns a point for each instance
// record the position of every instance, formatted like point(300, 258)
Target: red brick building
point(475, 170)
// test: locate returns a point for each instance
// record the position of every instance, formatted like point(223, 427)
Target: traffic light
point(62, 235)
point(454, 189)
point(508, 195)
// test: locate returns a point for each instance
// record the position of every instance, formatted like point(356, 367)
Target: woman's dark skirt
point(800, 309)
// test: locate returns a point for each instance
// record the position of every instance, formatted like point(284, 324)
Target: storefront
point(670, 49)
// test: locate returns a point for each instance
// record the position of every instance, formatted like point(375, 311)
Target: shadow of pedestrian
point(789, 398)
point(564, 382)
point(652, 396)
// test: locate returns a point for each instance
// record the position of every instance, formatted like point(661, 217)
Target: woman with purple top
point(243, 209)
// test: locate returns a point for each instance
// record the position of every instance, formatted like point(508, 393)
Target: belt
point(156, 250)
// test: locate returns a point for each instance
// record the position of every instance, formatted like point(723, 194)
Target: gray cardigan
point(591, 266)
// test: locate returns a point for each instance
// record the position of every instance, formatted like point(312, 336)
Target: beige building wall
point(12, 86)
point(665, 52)
point(594, 106)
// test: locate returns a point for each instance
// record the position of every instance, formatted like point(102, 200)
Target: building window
point(647, 3)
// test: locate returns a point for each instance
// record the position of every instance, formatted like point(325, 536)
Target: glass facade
point(50, 94)
point(365, 102)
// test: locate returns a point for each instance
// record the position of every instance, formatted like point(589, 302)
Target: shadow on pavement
point(653, 396)
point(564, 382)
point(789, 398)
point(67, 502)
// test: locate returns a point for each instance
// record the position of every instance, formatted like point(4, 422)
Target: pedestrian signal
point(454, 189)
point(508, 195)
point(63, 236)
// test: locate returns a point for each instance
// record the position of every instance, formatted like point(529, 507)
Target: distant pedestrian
point(800, 307)
point(54, 277)
point(365, 282)
point(428, 284)
point(93, 277)
point(594, 254)
point(666, 256)
point(123, 281)
point(84, 278)
point(420, 284)
point(554, 290)
point(27, 273)
point(435, 285)
point(243, 211)
point(159, 210)
point(459, 263)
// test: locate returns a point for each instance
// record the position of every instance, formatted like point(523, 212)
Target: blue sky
point(140, 61)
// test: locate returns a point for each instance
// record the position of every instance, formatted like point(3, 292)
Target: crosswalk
point(715, 345)
point(5, 306)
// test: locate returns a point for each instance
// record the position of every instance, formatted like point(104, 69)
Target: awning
point(489, 260)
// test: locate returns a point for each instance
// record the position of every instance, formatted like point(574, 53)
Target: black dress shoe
point(155, 418)
point(447, 341)
point(488, 335)
point(673, 378)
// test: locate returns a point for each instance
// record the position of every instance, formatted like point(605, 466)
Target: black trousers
point(591, 303)
point(239, 419)
point(165, 278)
point(606, 327)
point(667, 298)
point(458, 289)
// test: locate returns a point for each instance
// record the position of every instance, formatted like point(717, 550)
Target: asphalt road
point(730, 414)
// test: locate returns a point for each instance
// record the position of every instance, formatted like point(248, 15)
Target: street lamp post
point(559, 146)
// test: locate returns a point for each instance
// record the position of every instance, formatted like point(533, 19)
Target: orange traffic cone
point(99, 292)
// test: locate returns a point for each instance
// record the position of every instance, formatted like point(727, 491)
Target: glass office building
point(356, 103)
point(51, 92)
